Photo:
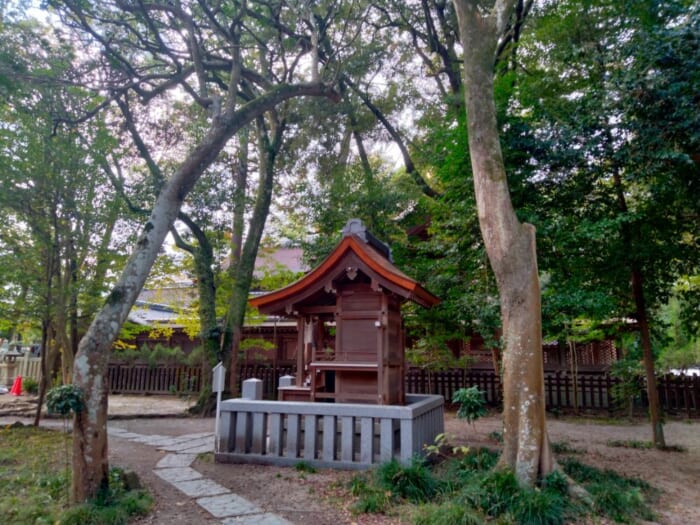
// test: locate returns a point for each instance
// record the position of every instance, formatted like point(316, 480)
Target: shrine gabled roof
point(374, 263)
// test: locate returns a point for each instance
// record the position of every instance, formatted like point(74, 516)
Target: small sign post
point(217, 385)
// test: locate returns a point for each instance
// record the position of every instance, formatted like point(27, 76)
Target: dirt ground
point(315, 498)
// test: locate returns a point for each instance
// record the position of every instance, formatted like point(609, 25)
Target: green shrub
point(358, 485)
point(629, 374)
point(499, 489)
point(472, 403)
point(136, 502)
point(414, 482)
point(556, 483)
point(64, 400)
point(468, 490)
point(163, 355)
point(371, 499)
point(539, 507)
point(158, 354)
point(118, 510)
point(30, 385)
point(79, 515)
point(480, 459)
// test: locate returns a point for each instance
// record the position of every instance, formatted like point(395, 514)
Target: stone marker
point(252, 389)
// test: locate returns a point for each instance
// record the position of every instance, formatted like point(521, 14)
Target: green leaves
point(64, 400)
point(608, 128)
point(472, 403)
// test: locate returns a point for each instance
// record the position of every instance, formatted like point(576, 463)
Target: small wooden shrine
point(348, 311)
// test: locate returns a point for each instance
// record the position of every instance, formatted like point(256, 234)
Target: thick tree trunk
point(90, 467)
point(511, 249)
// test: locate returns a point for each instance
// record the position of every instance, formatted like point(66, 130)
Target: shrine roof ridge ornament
point(356, 227)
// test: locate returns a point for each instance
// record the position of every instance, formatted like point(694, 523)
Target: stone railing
point(339, 435)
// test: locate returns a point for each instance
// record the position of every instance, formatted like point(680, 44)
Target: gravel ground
point(313, 498)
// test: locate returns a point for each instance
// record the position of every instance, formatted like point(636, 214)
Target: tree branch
point(408, 162)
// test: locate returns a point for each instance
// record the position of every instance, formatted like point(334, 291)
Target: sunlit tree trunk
point(510, 246)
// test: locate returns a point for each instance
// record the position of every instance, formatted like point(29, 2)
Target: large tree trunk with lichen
point(511, 249)
point(90, 465)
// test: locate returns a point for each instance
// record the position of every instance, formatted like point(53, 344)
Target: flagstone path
point(175, 468)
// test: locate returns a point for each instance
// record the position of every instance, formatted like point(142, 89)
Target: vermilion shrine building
point(347, 406)
point(348, 312)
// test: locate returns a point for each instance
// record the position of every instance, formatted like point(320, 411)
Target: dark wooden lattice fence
point(679, 394)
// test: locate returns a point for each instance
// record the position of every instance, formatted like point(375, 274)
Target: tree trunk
point(641, 315)
point(203, 256)
point(267, 152)
point(232, 338)
point(511, 249)
point(90, 466)
point(648, 358)
point(44, 381)
point(574, 375)
point(208, 324)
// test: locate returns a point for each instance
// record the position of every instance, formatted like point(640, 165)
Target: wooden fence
point(161, 379)
point(679, 395)
point(269, 375)
point(29, 367)
point(25, 366)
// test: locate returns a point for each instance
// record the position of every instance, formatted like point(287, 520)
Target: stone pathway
point(175, 468)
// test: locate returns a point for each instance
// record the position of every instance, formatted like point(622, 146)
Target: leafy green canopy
point(604, 106)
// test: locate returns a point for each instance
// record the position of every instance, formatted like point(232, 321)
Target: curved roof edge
point(368, 255)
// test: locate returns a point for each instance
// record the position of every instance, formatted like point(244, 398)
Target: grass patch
point(633, 443)
point(621, 499)
point(563, 447)
point(629, 443)
point(371, 499)
point(35, 480)
point(206, 457)
point(414, 482)
point(447, 513)
point(674, 448)
point(305, 468)
point(468, 490)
